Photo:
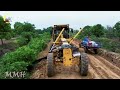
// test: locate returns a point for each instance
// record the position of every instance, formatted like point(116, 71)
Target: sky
point(75, 19)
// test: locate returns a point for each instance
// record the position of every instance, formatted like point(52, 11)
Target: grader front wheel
point(50, 65)
point(83, 64)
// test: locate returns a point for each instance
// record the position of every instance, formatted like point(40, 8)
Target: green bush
point(21, 41)
point(23, 56)
point(14, 67)
point(36, 44)
point(108, 44)
point(40, 43)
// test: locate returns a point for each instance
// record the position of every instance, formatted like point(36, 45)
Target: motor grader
point(63, 51)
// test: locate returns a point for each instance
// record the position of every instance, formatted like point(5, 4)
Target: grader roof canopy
point(60, 27)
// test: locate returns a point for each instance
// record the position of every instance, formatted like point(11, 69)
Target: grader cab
point(64, 52)
point(57, 29)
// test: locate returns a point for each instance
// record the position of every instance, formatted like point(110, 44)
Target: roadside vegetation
point(108, 36)
point(27, 41)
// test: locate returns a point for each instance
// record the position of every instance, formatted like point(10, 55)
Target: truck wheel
point(50, 65)
point(80, 45)
point(86, 49)
point(83, 64)
point(96, 51)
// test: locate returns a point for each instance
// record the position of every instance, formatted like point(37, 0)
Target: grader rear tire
point(83, 64)
point(50, 65)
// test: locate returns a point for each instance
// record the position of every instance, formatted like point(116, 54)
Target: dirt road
point(99, 68)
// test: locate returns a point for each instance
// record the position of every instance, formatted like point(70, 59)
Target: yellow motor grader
point(63, 51)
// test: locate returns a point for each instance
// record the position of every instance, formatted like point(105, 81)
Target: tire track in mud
point(112, 67)
point(93, 73)
point(100, 73)
point(98, 70)
point(102, 69)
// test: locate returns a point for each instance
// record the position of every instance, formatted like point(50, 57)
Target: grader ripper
point(63, 51)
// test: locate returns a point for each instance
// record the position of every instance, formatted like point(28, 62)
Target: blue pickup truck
point(90, 45)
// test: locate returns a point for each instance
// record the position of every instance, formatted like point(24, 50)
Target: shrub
point(21, 41)
point(23, 56)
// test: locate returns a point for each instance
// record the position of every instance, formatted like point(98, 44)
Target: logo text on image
point(15, 74)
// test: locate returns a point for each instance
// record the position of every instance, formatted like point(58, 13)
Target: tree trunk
point(2, 41)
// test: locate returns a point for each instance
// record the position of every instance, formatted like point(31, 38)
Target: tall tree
point(26, 31)
point(5, 29)
point(18, 26)
point(98, 30)
point(85, 32)
point(109, 32)
point(116, 29)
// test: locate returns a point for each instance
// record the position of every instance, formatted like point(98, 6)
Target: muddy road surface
point(99, 68)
